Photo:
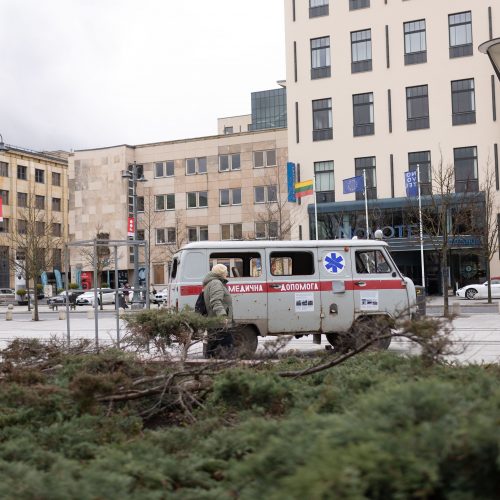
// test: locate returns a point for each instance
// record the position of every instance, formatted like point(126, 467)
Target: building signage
point(130, 226)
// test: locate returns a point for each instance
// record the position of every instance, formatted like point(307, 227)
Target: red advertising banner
point(1, 212)
point(130, 226)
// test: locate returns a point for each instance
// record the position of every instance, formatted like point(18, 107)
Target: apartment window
point(165, 235)
point(325, 182)
point(466, 169)
point(197, 199)
point(40, 202)
point(417, 107)
point(39, 176)
point(56, 204)
point(415, 42)
point(264, 158)
point(140, 203)
point(460, 32)
point(463, 101)
point(362, 106)
point(229, 197)
point(231, 232)
point(4, 194)
point(165, 168)
point(4, 169)
point(422, 160)
point(165, 202)
point(22, 200)
point(266, 194)
point(39, 228)
point(56, 179)
point(141, 234)
point(196, 165)
point(22, 226)
point(322, 120)
point(367, 165)
point(320, 57)
point(229, 162)
point(22, 173)
point(56, 229)
point(198, 233)
point(228, 130)
point(361, 51)
point(358, 4)
point(266, 230)
point(4, 226)
point(318, 8)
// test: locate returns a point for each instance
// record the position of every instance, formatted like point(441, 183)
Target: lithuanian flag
point(304, 188)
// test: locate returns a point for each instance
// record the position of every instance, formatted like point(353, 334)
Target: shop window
point(292, 263)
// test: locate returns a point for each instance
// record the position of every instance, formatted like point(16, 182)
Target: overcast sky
point(80, 74)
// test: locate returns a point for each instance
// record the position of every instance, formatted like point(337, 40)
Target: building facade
point(377, 88)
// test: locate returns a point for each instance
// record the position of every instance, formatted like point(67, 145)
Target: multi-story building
point(378, 87)
point(28, 176)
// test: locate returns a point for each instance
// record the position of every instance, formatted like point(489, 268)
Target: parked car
point(87, 298)
point(480, 291)
point(161, 296)
point(7, 294)
point(60, 298)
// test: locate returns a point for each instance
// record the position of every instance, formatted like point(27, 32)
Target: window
point(228, 130)
point(358, 4)
point(160, 202)
point(231, 232)
point(463, 102)
point(415, 42)
point(197, 199)
point(140, 203)
point(291, 263)
point(39, 228)
point(229, 162)
point(141, 234)
point(196, 165)
point(422, 160)
point(320, 57)
point(266, 230)
point(39, 202)
point(22, 173)
point(199, 233)
point(367, 165)
point(56, 204)
point(266, 194)
point(4, 225)
point(22, 200)
point(460, 32)
point(22, 226)
point(229, 197)
point(325, 183)
point(165, 235)
point(57, 258)
point(466, 169)
point(264, 158)
point(362, 108)
point(361, 51)
point(164, 169)
point(165, 202)
point(417, 107)
point(240, 264)
point(56, 179)
point(322, 120)
point(39, 176)
point(4, 194)
point(371, 262)
point(4, 169)
point(318, 8)
point(56, 229)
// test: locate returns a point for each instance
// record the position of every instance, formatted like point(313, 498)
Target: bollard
point(62, 314)
point(90, 314)
point(32, 314)
point(9, 313)
point(455, 308)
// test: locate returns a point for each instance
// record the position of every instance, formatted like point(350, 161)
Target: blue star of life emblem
point(334, 263)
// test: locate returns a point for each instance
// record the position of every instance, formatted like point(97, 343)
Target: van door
point(337, 300)
point(293, 291)
point(378, 286)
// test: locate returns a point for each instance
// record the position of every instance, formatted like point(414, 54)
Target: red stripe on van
point(191, 289)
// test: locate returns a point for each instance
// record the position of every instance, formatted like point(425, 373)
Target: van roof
point(241, 245)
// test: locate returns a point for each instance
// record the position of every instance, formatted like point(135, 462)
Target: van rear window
point(292, 263)
point(240, 264)
point(173, 272)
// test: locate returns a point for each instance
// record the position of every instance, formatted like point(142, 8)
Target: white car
point(161, 296)
point(480, 291)
point(87, 298)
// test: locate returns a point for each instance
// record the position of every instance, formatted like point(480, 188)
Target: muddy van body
point(297, 287)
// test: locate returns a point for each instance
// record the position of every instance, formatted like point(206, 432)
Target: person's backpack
point(200, 307)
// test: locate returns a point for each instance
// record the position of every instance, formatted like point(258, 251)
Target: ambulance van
point(297, 287)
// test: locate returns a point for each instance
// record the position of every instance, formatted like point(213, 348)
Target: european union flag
point(354, 185)
point(411, 183)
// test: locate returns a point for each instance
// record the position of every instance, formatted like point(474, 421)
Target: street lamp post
point(134, 176)
point(492, 49)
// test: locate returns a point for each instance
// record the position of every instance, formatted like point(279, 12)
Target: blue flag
point(411, 183)
point(291, 179)
point(354, 185)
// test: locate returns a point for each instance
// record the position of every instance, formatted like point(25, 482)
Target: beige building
point(228, 186)
point(383, 86)
point(31, 176)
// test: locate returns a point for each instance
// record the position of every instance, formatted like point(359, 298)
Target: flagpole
point(421, 229)
point(315, 208)
point(366, 205)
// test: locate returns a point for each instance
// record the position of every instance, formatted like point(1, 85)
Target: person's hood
point(213, 276)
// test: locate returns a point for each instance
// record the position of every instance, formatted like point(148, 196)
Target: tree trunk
point(444, 273)
point(35, 295)
point(488, 278)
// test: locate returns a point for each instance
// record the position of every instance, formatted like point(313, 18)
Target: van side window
point(240, 264)
point(371, 262)
point(173, 271)
point(292, 263)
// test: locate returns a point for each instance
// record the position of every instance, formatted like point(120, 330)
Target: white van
point(297, 287)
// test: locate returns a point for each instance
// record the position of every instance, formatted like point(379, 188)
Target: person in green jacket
point(218, 300)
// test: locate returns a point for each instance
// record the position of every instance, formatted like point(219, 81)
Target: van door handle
point(360, 283)
point(275, 286)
